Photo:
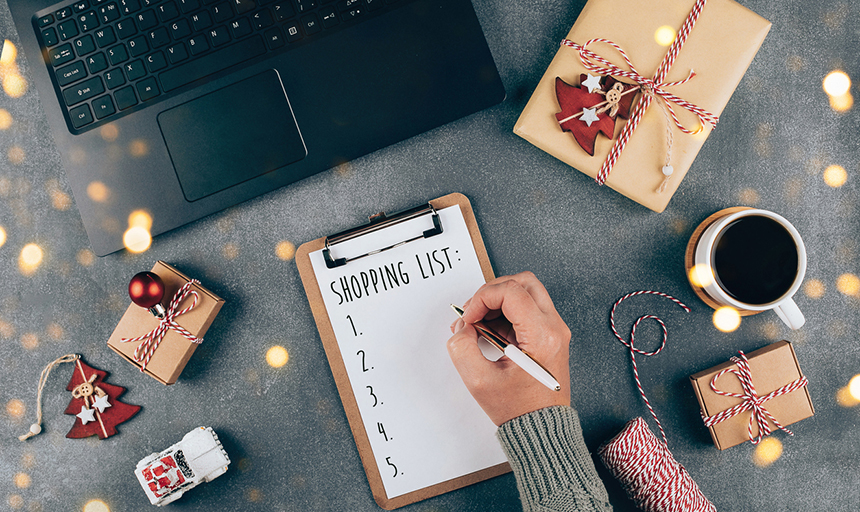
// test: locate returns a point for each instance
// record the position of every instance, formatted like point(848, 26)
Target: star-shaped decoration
point(592, 82)
point(589, 116)
point(101, 403)
point(86, 415)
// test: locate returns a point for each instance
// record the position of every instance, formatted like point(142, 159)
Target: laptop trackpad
point(231, 135)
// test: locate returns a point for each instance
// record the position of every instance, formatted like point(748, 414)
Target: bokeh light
point(814, 289)
point(14, 85)
point(137, 239)
point(140, 219)
point(836, 83)
point(96, 506)
point(842, 103)
point(138, 148)
point(277, 356)
point(285, 250)
point(230, 251)
point(22, 480)
point(15, 408)
point(30, 259)
point(701, 275)
point(109, 132)
point(16, 155)
point(9, 53)
point(86, 257)
point(835, 176)
point(98, 191)
point(727, 319)
point(854, 387)
point(30, 340)
point(768, 451)
point(665, 35)
point(5, 119)
point(848, 284)
point(15, 501)
point(2, 236)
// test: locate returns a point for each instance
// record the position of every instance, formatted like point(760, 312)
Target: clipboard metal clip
point(378, 222)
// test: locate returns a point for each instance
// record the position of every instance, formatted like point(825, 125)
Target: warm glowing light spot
point(767, 452)
point(98, 191)
point(2, 236)
point(836, 83)
point(854, 387)
point(285, 250)
point(96, 506)
point(140, 219)
point(277, 356)
point(15, 408)
point(109, 132)
point(55, 331)
point(5, 119)
point(7, 56)
point(14, 85)
point(835, 176)
point(22, 480)
point(78, 155)
point(848, 284)
point(137, 239)
point(28, 460)
point(727, 319)
point(86, 257)
point(138, 148)
point(748, 196)
point(30, 259)
point(15, 155)
point(814, 289)
point(665, 35)
point(230, 251)
point(30, 340)
point(701, 275)
point(770, 330)
point(254, 495)
point(7, 330)
point(60, 200)
point(845, 398)
point(16, 501)
point(842, 103)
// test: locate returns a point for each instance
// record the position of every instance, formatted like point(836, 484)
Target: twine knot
point(751, 401)
point(143, 352)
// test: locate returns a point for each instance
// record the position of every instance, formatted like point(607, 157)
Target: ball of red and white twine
point(643, 464)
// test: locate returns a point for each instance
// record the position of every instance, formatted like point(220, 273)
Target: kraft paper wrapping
point(173, 353)
point(772, 367)
point(720, 48)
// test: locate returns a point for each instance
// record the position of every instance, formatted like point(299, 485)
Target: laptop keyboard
point(108, 58)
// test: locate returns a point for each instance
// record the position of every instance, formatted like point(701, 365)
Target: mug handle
point(789, 313)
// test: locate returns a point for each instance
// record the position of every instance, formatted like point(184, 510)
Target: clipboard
point(333, 350)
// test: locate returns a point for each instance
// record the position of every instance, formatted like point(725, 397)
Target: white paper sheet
point(391, 316)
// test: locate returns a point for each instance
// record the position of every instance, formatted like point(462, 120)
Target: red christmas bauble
point(146, 289)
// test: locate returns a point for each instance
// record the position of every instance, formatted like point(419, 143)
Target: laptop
point(181, 108)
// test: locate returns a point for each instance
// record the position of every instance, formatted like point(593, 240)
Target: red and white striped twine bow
point(634, 350)
point(143, 352)
point(751, 400)
point(650, 87)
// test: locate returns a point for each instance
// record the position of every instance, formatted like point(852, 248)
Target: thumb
point(467, 356)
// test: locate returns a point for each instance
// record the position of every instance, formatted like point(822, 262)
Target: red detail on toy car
point(163, 476)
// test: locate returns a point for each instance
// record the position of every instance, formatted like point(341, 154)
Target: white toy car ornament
point(198, 457)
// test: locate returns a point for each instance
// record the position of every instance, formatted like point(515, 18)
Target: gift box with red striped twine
point(643, 464)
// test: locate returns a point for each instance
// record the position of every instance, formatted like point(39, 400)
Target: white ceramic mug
point(784, 306)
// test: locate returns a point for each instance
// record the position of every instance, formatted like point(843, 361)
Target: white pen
point(522, 358)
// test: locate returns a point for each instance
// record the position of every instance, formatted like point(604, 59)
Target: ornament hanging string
point(151, 340)
point(649, 473)
point(751, 400)
point(651, 88)
point(36, 428)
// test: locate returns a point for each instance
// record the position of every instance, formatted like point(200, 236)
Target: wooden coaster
point(691, 250)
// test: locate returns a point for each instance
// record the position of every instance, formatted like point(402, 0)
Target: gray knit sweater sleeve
point(554, 471)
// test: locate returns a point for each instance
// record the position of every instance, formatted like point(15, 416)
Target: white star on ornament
point(589, 116)
point(592, 82)
point(101, 403)
point(86, 415)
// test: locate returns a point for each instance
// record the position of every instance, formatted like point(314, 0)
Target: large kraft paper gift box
point(772, 367)
point(719, 48)
point(174, 351)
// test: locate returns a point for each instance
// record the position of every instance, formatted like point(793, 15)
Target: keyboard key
point(198, 45)
point(49, 37)
point(187, 6)
point(345, 5)
point(201, 20)
point(216, 61)
point(71, 73)
point(61, 54)
point(103, 106)
point(114, 78)
point(351, 14)
point(243, 6)
point(97, 63)
point(146, 20)
point(147, 89)
point(46, 20)
point(167, 12)
point(329, 17)
point(125, 98)
point(134, 70)
point(88, 21)
point(373, 5)
point(80, 6)
point(105, 36)
point(311, 24)
point(240, 28)
point(219, 36)
point(83, 91)
point(125, 28)
point(284, 10)
point(129, 6)
point(81, 116)
point(156, 62)
point(180, 29)
point(293, 32)
point(177, 53)
point(63, 13)
point(159, 37)
point(67, 29)
point(304, 6)
point(222, 12)
point(275, 38)
point(85, 45)
point(108, 13)
point(262, 19)
point(117, 54)
point(137, 46)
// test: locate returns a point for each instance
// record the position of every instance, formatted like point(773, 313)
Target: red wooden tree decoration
point(573, 99)
point(95, 404)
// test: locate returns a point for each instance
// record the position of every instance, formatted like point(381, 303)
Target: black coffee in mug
point(755, 260)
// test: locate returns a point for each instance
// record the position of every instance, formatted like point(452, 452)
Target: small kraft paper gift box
point(162, 347)
point(752, 395)
point(680, 89)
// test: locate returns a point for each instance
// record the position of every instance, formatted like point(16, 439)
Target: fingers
point(468, 359)
point(507, 296)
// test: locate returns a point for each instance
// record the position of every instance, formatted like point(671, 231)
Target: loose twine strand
point(36, 428)
point(643, 464)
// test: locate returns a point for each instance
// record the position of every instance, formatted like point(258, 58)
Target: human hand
point(519, 308)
